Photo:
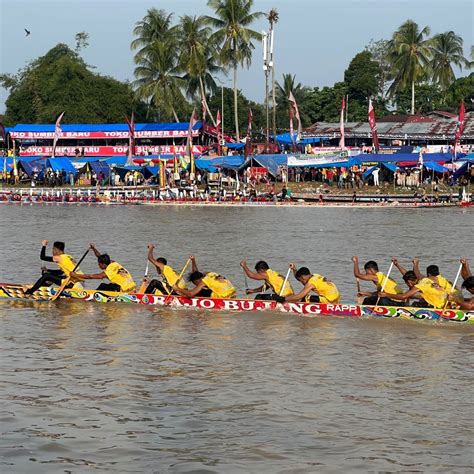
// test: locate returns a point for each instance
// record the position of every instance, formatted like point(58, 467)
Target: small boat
point(15, 291)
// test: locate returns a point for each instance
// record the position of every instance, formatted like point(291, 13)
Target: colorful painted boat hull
point(212, 304)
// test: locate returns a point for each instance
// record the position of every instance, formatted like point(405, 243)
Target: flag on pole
point(57, 132)
point(292, 130)
point(342, 143)
point(189, 143)
point(162, 173)
point(373, 126)
point(131, 139)
point(175, 160)
point(218, 132)
point(460, 127)
point(248, 142)
point(294, 108)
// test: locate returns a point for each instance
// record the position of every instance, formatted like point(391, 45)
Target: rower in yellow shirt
point(169, 275)
point(379, 279)
point(64, 261)
point(428, 288)
point(209, 284)
point(120, 278)
point(325, 290)
point(272, 280)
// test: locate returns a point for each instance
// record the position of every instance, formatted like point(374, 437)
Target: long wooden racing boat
point(14, 291)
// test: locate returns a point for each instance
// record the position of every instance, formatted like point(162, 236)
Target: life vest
point(171, 277)
point(391, 286)
point(120, 276)
point(432, 293)
point(275, 280)
point(220, 286)
point(67, 264)
point(327, 290)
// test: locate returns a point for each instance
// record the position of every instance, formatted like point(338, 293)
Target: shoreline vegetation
point(179, 63)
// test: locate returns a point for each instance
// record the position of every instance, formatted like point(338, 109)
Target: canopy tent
point(235, 146)
point(460, 172)
point(354, 161)
point(223, 162)
point(96, 167)
point(60, 164)
point(270, 162)
point(117, 160)
point(389, 166)
point(432, 165)
point(285, 139)
point(404, 157)
point(31, 167)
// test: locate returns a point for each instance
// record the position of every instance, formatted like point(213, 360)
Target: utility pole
point(266, 70)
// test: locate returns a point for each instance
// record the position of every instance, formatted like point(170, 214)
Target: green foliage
point(60, 81)
point(362, 77)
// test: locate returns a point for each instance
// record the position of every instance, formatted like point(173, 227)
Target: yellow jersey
point(275, 280)
point(390, 287)
point(220, 286)
point(67, 264)
point(432, 293)
point(171, 277)
point(120, 276)
point(327, 290)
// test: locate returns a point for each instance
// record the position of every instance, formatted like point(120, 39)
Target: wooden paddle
point(68, 279)
point(188, 261)
point(284, 283)
point(360, 298)
point(385, 282)
point(454, 284)
point(144, 281)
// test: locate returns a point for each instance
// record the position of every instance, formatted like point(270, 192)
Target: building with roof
point(437, 128)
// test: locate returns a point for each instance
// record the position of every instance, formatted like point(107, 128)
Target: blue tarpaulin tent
point(459, 172)
point(221, 162)
point(31, 167)
point(61, 164)
point(271, 162)
point(116, 160)
point(405, 157)
point(97, 167)
point(432, 165)
point(285, 139)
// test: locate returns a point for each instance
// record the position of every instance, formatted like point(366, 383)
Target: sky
point(314, 39)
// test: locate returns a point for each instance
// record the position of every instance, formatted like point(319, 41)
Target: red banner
point(116, 134)
point(106, 150)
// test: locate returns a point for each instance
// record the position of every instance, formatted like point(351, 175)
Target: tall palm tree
point(273, 19)
point(447, 50)
point(155, 26)
point(410, 57)
point(157, 71)
point(197, 57)
point(232, 21)
point(288, 85)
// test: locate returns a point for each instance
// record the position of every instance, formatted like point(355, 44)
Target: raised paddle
point(188, 261)
point(144, 281)
point(284, 283)
point(360, 298)
point(68, 279)
point(385, 282)
point(454, 284)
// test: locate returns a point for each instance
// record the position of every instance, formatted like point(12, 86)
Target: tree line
point(178, 66)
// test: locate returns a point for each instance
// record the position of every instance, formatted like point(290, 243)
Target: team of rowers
point(430, 290)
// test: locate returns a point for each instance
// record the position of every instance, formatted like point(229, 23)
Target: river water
point(121, 388)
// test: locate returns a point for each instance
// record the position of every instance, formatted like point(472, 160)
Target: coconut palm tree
point(197, 57)
point(158, 78)
point(288, 85)
point(272, 18)
point(157, 71)
point(155, 26)
point(235, 38)
point(447, 50)
point(410, 55)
